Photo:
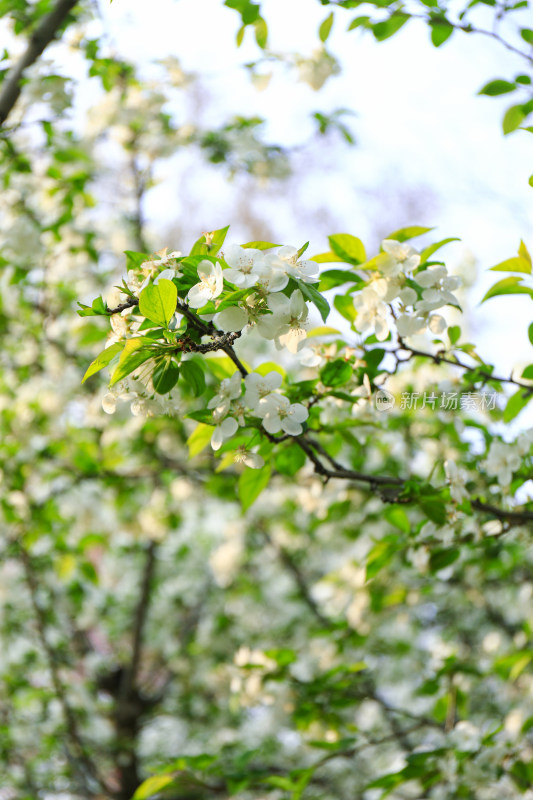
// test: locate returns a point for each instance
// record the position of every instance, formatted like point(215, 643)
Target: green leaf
point(508, 286)
point(152, 786)
point(441, 30)
point(261, 32)
point(411, 232)
point(349, 248)
point(134, 260)
point(165, 375)
point(530, 181)
point(528, 372)
point(454, 333)
point(513, 118)
point(240, 35)
point(336, 373)
point(359, 22)
point(516, 403)
point(494, 88)
point(527, 35)
point(194, 376)
point(260, 245)
point(441, 559)
point(327, 258)
point(396, 516)
point(325, 27)
point(134, 354)
point(530, 333)
point(434, 508)
point(158, 302)
point(383, 30)
point(302, 250)
point(201, 248)
point(96, 309)
point(345, 307)
point(199, 439)
point(515, 264)
point(103, 359)
point(523, 252)
point(314, 296)
point(336, 277)
point(289, 460)
point(251, 484)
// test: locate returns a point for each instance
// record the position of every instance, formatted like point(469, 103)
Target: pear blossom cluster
point(414, 307)
point(261, 399)
point(504, 459)
point(276, 316)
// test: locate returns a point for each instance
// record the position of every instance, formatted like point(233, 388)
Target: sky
point(421, 132)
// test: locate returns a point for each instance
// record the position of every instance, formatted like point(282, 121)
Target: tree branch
point(81, 758)
point(45, 32)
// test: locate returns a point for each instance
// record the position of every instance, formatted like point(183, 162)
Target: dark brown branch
point(45, 32)
point(131, 705)
point(440, 358)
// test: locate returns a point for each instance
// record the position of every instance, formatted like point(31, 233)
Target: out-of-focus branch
point(130, 705)
point(79, 757)
point(45, 32)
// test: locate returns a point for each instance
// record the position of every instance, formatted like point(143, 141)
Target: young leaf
point(336, 277)
point(383, 30)
point(260, 245)
point(261, 32)
point(516, 403)
point(516, 264)
point(349, 248)
point(158, 302)
point(508, 286)
point(497, 87)
point(102, 360)
point(199, 439)
point(336, 373)
point(194, 376)
point(152, 786)
point(403, 234)
point(325, 27)
point(314, 296)
point(165, 375)
point(134, 354)
point(441, 30)
point(251, 484)
point(216, 239)
point(345, 307)
point(134, 260)
point(513, 118)
point(289, 460)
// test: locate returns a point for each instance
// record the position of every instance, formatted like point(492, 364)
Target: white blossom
point(286, 259)
point(402, 258)
point(372, 312)
point(278, 414)
point(224, 430)
point(286, 324)
point(457, 479)
point(243, 264)
point(229, 390)
point(232, 318)
point(502, 460)
point(259, 386)
point(244, 456)
point(210, 286)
